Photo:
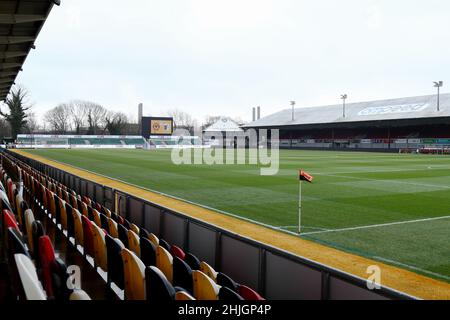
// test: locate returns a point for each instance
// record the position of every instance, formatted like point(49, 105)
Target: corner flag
point(305, 176)
point(302, 176)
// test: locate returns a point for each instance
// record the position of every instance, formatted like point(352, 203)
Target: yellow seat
point(164, 262)
point(134, 276)
point(84, 209)
point(183, 296)
point(20, 215)
point(113, 232)
point(51, 203)
point(208, 270)
point(100, 256)
point(97, 219)
point(204, 287)
point(135, 228)
point(108, 213)
point(29, 219)
point(62, 211)
point(78, 227)
point(133, 243)
point(154, 239)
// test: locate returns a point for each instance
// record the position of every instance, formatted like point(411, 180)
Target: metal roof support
point(20, 18)
point(15, 39)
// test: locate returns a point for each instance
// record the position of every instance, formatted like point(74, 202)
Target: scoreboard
point(156, 126)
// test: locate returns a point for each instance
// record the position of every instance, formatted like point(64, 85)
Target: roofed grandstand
point(388, 125)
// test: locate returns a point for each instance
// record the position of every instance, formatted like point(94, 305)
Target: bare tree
point(96, 116)
point(5, 129)
point(116, 123)
point(32, 123)
point(182, 120)
point(58, 118)
point(78, 112)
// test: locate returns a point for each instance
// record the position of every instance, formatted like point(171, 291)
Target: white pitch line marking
point(377, 225)
point(384, 180)
point(304, 227)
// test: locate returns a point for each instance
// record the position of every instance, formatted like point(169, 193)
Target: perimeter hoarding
point(156, 126)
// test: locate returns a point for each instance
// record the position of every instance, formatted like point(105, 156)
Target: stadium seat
point(208, 270)
point(21, 207)
point(192, 261)
point(114, 249)
point(112, 227)
point(164, 262)
point(47, 256)
point(143, 233)
point(123, 234)
point(154, 239)
point(226, 294)
point(248, 293)
point(84, 209)
point(183, 296)
point(97, 220)
point(78, 226)
point(29, 278)
point(29, 219)
point(158, 288)
point(133, 243)
point(225, 281)
point(57, 215)
point(177, 252)
point(104, 222)
point(9, 221)
point(51, 204)
point(60, 278)
point(204, 287)
point(163, 243)
point(100, 257)
point(182, 274)
point(70, 221)
point(38, 231)
point(79, 295)
point(88, 237)
point(15, 242)
point(63, 213)
point(134, 276)
point(148, 252)
point(135, 228)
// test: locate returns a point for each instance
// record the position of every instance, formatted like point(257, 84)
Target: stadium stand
point(43, 276)
point(84, 141)
point(407, 124)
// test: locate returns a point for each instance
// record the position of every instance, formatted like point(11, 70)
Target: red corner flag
point(305, 176)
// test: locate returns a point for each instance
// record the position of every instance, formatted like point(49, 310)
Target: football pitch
point(393, 208)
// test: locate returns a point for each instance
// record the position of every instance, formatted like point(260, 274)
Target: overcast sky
point(222, 57)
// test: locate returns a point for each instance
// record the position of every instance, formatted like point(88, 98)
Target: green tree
point(17, 116)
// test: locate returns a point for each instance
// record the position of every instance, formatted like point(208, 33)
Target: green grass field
point(364, 203)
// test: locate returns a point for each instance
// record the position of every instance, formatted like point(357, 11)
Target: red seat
point(47, 256)
point(9, 220)
point(177, 252)
point(88, 236)
point(248, 293)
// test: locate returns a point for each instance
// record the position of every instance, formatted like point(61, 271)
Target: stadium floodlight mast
point(343, 97)
point(293, 110)
point(438, 85)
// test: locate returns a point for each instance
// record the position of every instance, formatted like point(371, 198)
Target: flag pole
point(299, 206)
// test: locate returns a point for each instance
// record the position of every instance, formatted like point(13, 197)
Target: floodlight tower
point(293, 110)
point(438, 85)
point(343, 97)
